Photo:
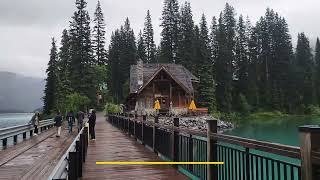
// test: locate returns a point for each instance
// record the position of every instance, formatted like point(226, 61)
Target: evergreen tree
point(170, 31)
point(122, 54)
point(141, 49)
point(317, 70)
point(206, 86)
point(63, 70)
point(253, 73)
point(305, 65)
point(213, 44)
point(51, 81)
point(81, 52)
point(150, 47)
point(225, 58)
point(186, 38)
point(241, 61)
point(98, 40)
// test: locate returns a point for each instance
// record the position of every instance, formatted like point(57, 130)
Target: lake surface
point(279, 130)
point(14, 119)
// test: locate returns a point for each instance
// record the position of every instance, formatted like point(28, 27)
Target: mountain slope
point(20, 93)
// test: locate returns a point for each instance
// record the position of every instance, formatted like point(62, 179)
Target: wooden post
point(175, 141)
point(309, 142)
point(156, 120)
point(144, 118)
point(211, 149)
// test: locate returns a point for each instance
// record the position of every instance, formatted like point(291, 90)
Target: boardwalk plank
point(34, 158)
point(114, 145)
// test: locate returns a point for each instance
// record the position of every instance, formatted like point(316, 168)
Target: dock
point(124, 138)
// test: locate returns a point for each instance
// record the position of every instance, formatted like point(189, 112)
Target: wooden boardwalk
point(114, 145)
point(34, 158)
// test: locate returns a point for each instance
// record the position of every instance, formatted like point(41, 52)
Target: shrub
point(111, 108)
point(312, 109)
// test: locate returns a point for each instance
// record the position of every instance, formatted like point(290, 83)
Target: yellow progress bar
point(156, 163)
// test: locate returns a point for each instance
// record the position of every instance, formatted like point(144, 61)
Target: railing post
point(134, 125)
point(144, 118)
point(190, 152)
point(79, 158)
point(211, 150)
point(72, 167)
point(309, 142)
point(4, 142)
point(156, 120)
point(15, 139)
point(175, 141)
point(247, 164)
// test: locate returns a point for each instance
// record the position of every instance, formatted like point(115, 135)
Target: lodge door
point(164, 102)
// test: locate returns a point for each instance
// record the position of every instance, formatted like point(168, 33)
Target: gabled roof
point(179, 73)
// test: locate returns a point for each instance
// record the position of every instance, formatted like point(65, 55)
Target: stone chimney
point(140, 73)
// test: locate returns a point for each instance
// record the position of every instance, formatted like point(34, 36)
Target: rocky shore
point(195, 123)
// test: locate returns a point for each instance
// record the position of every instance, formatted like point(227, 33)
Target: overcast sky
point(26, 26)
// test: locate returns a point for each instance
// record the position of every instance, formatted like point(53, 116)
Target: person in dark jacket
point(70, 119)
point(80, 117)
point(58, 123)
point(92, 123)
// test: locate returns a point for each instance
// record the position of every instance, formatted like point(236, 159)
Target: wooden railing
point(245, 159)
point(15, 131)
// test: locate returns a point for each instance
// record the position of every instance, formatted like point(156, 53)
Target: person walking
point(58, 123)
point(70, 119)
point(80, 117)
point(92, 123)
point(35, 122)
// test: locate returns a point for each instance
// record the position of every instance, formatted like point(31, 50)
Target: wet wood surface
point(36, 157)
point(113, 145)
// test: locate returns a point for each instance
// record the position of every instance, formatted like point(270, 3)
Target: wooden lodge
point(171, 84)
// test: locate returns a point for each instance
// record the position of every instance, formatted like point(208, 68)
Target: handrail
point(20, 129)
point(62, 168)
point(274, 148)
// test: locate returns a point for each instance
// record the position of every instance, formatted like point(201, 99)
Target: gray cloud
point(27, 26)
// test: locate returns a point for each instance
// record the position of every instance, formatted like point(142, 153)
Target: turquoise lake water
point(14, 119)
point(281, 130)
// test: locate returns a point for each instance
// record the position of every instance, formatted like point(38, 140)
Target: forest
point(243, 67)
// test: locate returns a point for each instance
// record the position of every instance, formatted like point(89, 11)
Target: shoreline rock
point(196, 123)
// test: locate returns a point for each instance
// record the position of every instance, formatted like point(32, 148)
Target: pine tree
point(122, 54)
point(186, 38)
point(317, 70)
point(98, 40)
point(213, 44)
point(63, 70)
point(225, 58)
point(150, 47)
point(170, 31)
point(51, 80)
point(141, 49)
point(81, 52)
point(305, 65)
point(241, 61)
point(206, 85)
